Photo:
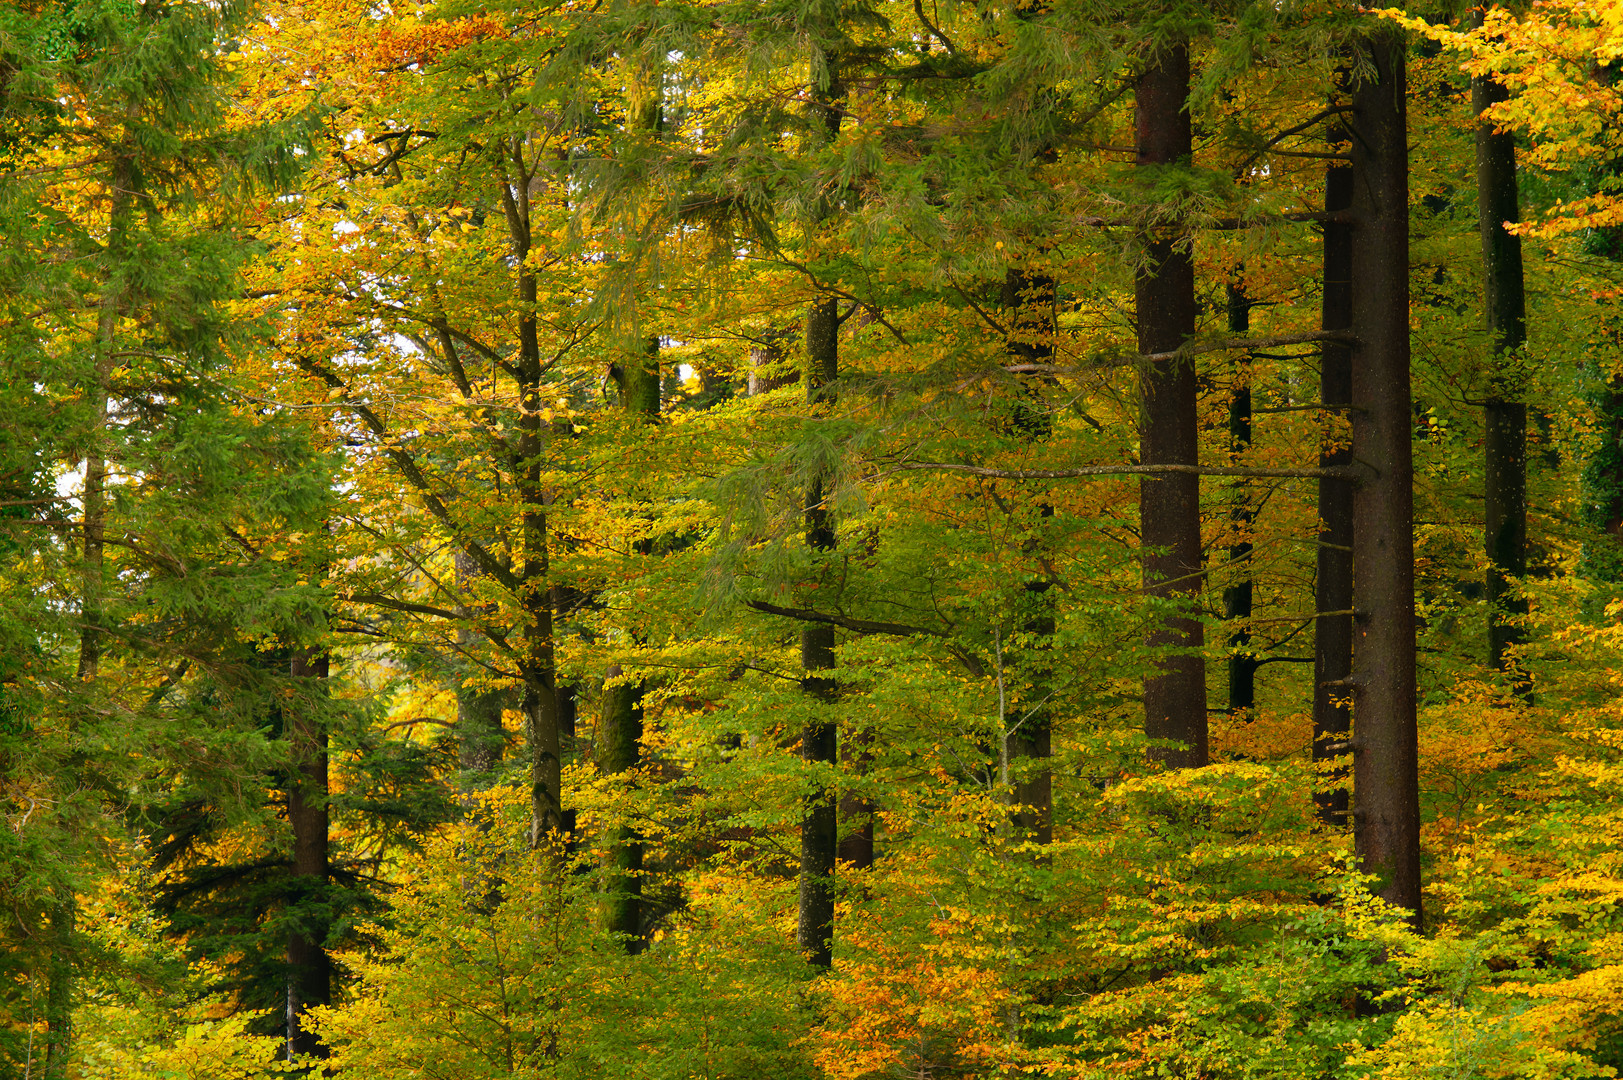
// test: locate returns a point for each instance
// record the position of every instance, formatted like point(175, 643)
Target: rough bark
point(1385, 755)
point(1169, 505)
point(1237, 598)
point(1333, 589)
point(309, 979)
point(1505, 416)
point(819, 829)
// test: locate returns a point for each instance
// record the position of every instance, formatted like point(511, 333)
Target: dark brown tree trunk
point(819, 829)
point(1237, 598)
point(1333, 590)
point(1386, 810)
point(1169, 505)
point(309, 980)
point(1505, 419)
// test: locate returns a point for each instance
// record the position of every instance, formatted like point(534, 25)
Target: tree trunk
point(542, 725)
point(62, 976)
point(619, 750)
point(819, 829)
point(1029, 300)
point(619, 738)
point(1237, 598)
point(1169, 505)
point(1505, 419)
point(1333, 589)
point(309, 979)
point(1385, 755)
point(481, 739)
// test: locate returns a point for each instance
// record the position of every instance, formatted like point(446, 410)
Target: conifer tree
point(1386, 811)
point(1169, 503)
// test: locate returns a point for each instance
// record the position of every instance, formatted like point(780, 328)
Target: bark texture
point(1333, 588)
point(1385, 755)
point(1237, 598)
point(1505, 417)
point(1169, 504)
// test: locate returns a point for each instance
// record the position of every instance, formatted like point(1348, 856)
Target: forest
point(811, 539)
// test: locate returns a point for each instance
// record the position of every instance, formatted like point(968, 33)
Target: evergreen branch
point(1334, 110)
point(379, 600)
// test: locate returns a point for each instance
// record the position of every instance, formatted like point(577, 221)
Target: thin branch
point(1333, 472)
point(863, 626)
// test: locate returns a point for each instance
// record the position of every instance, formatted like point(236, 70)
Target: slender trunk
point(1029, 299)
point(1237, 597)
point(309, 979)
point(619, 738)
point(481, 738)
point(1505, 421)
point(1333, 589)
point(819, 829)
point(619, 746)
point(1385, 755)
point(542, 725)
point(1169, 505)
point(61, 975)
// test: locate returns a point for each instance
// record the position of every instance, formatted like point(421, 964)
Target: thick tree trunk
point(1333, 590)
point(309, 979)
point(819, 829)
point(1505, 420)
point(1169, 505)
point(1237, 598)
point(1385, 755)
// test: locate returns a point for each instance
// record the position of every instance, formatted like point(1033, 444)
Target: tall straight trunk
point(1169, 504)
point(1505, 419)
point(63, 970)
point(1237, 598)
point(1029, 300)
point(481, 738)
point(619, 750)
point(619, 737)
point(1385, 755)
point(309, 978)
point(1333, 589)
point(537, 663)
point(819, 828)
